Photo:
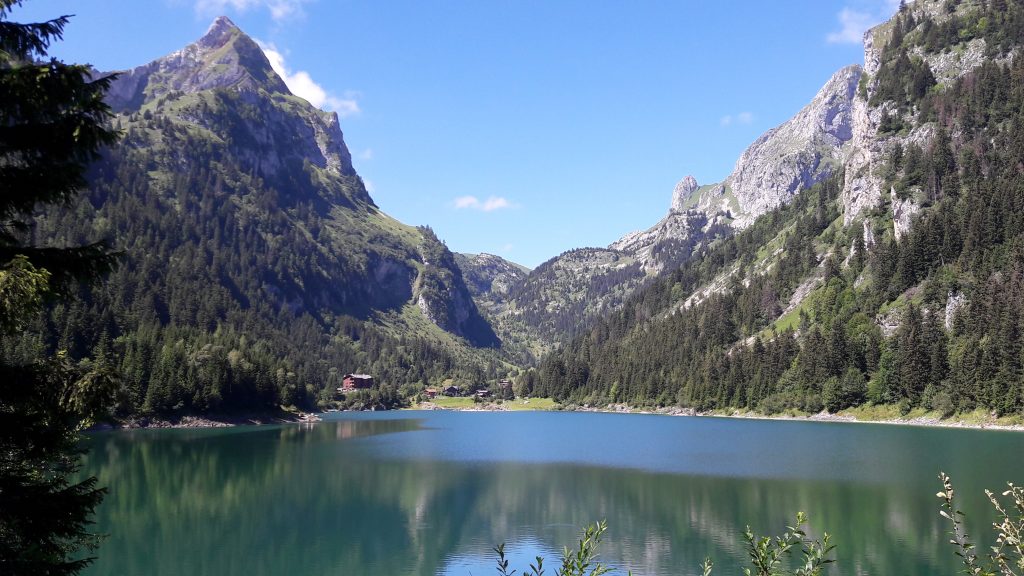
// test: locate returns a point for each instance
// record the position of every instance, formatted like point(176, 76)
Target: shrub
point(1008, 555)
point(767, 554)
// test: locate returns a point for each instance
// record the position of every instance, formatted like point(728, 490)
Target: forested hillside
point(256, 269)
point(914, 299)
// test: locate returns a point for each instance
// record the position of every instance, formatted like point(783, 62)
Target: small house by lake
point(356, 382)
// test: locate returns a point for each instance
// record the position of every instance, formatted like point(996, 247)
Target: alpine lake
point(431, 493)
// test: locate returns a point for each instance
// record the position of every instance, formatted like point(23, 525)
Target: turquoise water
point(432, 492)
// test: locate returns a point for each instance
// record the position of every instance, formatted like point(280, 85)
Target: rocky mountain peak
point(682, 192)
point(225, 57)
point(797, 154)
point(220, 32)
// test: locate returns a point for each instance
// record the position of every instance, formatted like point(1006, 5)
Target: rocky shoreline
point(932, 421)
point(284, 417)
point(208, 421)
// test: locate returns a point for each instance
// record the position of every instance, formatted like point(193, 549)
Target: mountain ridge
point(568, 291)
point(896, 280)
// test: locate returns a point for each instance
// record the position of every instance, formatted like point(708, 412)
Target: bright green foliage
point(769, 555)
point(23, 288)
point(580, 561)
point(1007, 556)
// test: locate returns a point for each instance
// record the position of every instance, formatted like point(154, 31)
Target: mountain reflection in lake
point(432, 493)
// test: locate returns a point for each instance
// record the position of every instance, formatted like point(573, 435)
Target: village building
point(430, 393)
point(452, 391)
point(356, 382)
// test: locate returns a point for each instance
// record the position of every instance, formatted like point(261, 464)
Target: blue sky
point(522, 128)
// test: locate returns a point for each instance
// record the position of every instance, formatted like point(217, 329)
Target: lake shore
point(863, 415)
point(986, 423)
point(209, 421)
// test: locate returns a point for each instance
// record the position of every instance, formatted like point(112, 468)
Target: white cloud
point(365, 154)
point(489, 205)
point(852, 25)
point(742, 118)
point(495, 203)
point(855, 21)
point(302, 85)
point(466, 202)
point(279, 9)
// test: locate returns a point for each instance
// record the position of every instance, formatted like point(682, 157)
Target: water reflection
point(347, 497)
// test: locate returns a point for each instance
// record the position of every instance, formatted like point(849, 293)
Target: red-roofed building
point(356, 382)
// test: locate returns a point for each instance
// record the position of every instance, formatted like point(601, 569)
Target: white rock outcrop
point(797, 154)
point(681, 193)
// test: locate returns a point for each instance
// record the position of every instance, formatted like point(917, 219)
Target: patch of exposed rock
point(863, 188)
point(681, 193)
point(797, 154)
point(903, 212)
point(487, 274)
point(228, 61)
point(955, 302)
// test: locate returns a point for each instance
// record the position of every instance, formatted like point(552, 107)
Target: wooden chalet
point(356, 382)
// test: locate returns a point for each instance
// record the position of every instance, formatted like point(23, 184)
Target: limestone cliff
point(871, 144)
point(797, 154)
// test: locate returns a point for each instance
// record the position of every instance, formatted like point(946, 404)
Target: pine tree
point(52, 124)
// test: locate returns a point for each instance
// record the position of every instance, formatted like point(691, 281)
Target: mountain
point(881, 260)
point(564, 294)
point(490, 278)
point(257, 268)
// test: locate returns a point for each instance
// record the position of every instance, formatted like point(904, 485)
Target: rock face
point(796, 155)
point(227, 62)
point(223, 58)
point(863, 187)
point(681, 193)
point(780, 164)
point(668, 242)
point(490, 278)
point(903, 212)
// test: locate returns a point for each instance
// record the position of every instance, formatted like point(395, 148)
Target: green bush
point(768, 555)
point(1007, 557)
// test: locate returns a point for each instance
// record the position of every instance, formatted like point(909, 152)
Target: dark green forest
point(968, 242)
